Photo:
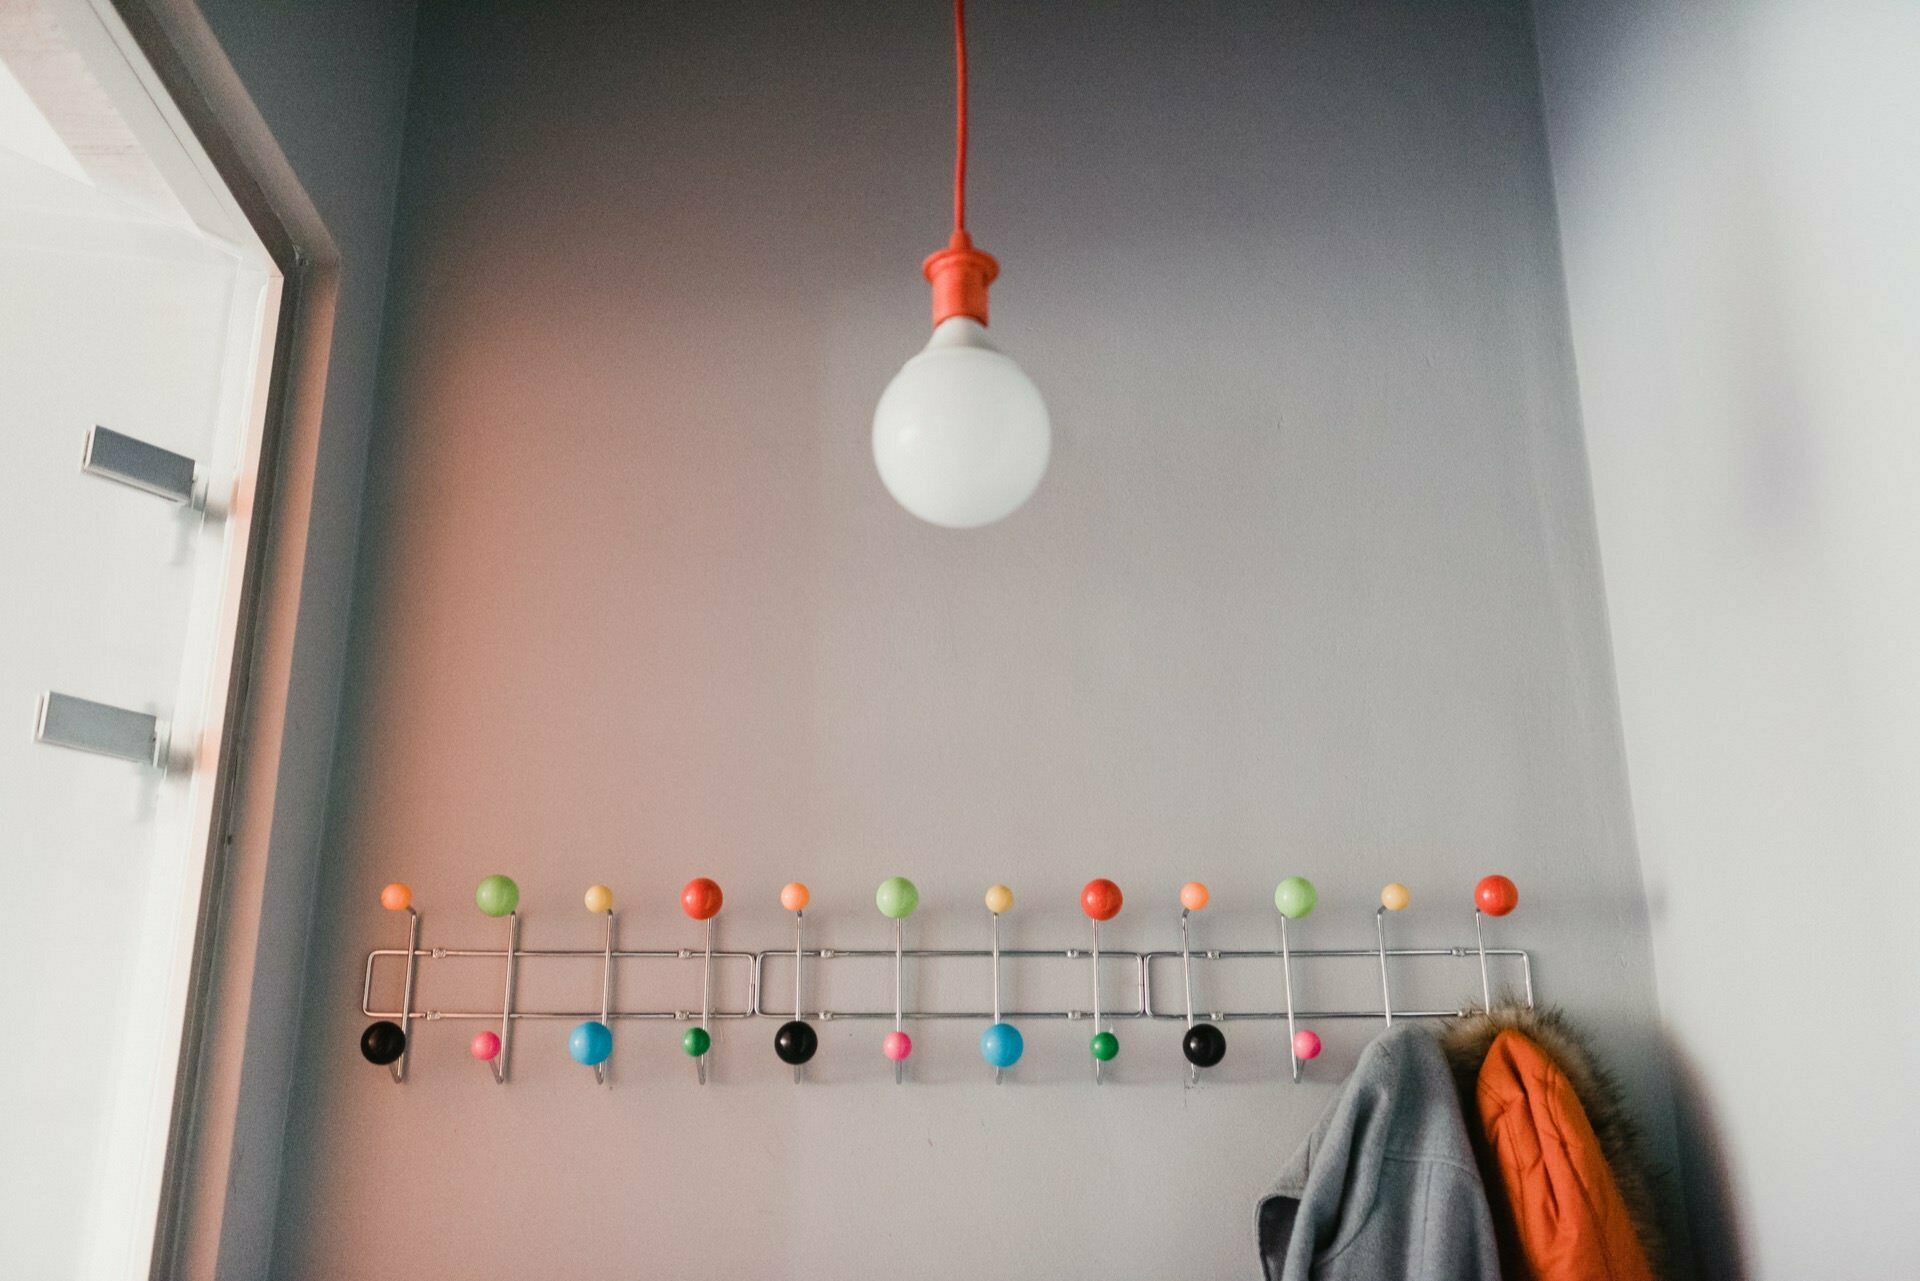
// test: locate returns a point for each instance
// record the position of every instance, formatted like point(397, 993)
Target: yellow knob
point(599, 899)
point(999, 899)
point(1395, 897)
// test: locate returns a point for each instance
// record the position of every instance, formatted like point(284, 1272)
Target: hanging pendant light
point(961, 436)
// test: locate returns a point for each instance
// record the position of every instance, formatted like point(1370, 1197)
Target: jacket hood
point(1466, 1042)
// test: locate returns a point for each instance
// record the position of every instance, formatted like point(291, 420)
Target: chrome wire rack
point(735, 986)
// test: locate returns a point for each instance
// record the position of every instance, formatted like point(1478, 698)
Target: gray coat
point(1385, 1188)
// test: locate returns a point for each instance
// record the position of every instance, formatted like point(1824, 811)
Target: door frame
point(228, 1064)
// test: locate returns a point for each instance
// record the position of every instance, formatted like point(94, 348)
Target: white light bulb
point(961, 436)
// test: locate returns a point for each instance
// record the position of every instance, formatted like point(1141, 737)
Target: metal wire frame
point(606, 955)
point(957, 953)
point(1143, 1005)
point(1384, 1011)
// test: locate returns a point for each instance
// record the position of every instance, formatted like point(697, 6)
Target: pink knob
point(1306, 1045)
point(484, 1046)
point(897, 1046)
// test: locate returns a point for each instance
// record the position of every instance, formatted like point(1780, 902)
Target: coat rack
point(591, 1042)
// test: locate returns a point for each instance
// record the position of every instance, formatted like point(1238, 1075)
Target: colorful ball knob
point(1194, 896)
point(1306, 1045)
point(1295, 897)
point(1205, 1045)
point(1001, 1045)
point(696, 1042)
point(396, 897)
point(1496, 895)
point(999, 900)
point(1104, 1046)
point(701, 899)
point(497, 895)
point(1395, 897)
point(794, 897)
point(590, 1043)
point(795, 1042)
point(383, 1042)
point(897, 1046)
point(484, 1046)
point(599, 899)
point(896, 899)
point(1101, 900)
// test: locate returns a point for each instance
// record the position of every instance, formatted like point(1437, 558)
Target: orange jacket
point(1568, 1212)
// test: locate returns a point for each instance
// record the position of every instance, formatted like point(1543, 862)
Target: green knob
point(1295, 897)
point(696, 1042)
point(497, 895)
point(896, 897)
point(1104, 1046)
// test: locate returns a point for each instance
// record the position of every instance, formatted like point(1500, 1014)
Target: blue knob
point(1001, 1045)
point(591, 1043)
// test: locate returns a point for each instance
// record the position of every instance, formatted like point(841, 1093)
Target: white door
point(134, 297)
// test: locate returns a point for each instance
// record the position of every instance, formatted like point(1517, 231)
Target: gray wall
point(1311, 587)
point(1739, 190)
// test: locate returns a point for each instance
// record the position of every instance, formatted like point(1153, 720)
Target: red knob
point(701, 899)
point(1101, 900)
point(1496, 895)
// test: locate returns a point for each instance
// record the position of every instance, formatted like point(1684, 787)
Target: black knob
point(795, 1042)
point(1205, 1045)
point(383, 1042)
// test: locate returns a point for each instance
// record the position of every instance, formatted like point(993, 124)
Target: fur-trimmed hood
point(1466, 1042)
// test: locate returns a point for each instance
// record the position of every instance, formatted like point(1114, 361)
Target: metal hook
point(1186, 974)
point(899, 1003)
point(1286, 972)
point(1386, 993)
point(706, 1006)
point(606, 998)
point(999, 1074)
point(498, 1064)
point(1480, 940)
point(799, 1069)
point(1096, 997)
point(399, 1066)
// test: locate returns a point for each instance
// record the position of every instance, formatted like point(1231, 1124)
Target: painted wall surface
point(1312, 587)
point(1738, 194)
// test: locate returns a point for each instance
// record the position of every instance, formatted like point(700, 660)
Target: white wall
point(1311, 587)
point(1738, 190)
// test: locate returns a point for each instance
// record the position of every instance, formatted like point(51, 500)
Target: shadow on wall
point(1713, 1220)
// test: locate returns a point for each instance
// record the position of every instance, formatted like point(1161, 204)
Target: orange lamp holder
point(960, 273)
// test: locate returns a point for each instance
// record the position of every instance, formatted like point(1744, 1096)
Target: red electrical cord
point(960, 273)
point(960, 115)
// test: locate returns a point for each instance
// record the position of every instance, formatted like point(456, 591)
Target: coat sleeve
point(1572, 1222)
